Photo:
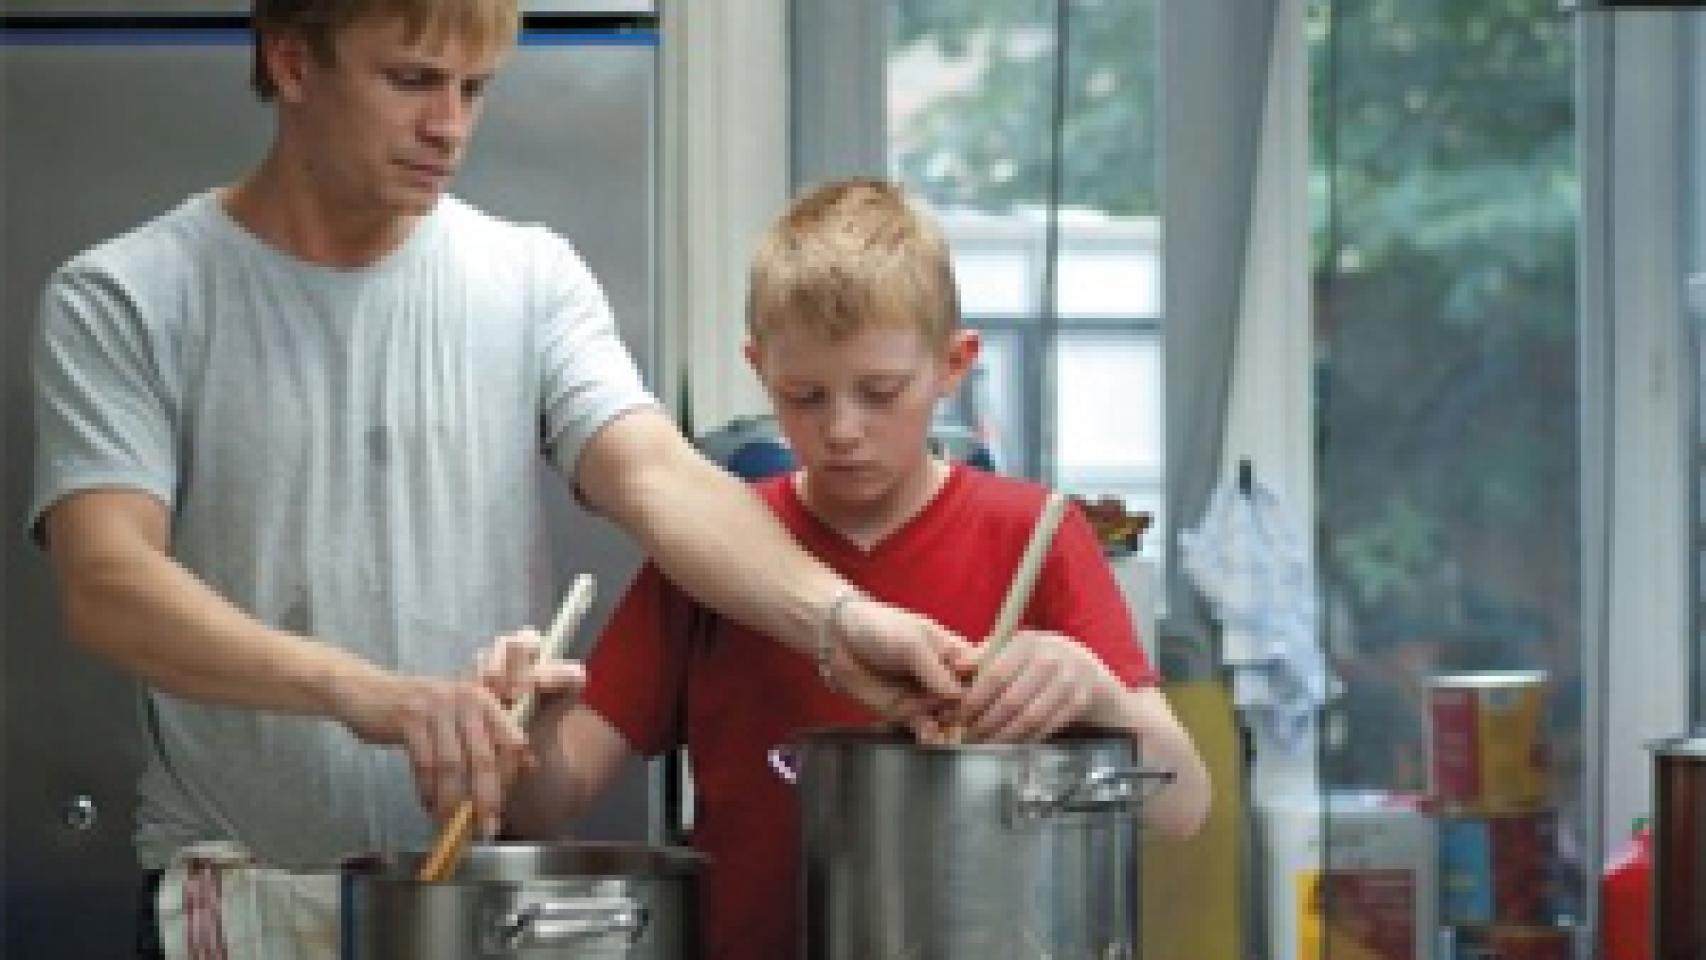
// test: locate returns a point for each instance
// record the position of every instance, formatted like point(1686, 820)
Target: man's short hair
point(485, 24)
point(848, 255)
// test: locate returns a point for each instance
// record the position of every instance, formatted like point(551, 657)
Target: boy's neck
point(869, 525)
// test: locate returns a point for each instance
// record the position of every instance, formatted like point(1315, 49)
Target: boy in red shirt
point(855, 334)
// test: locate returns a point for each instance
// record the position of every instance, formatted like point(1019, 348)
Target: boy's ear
point(750, 351)
point(963, 347)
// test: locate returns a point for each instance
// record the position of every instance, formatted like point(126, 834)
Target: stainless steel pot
point(977, 851)
point(580, 900)
point(1679, 848)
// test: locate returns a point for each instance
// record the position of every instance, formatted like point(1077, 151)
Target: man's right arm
point(128, 601)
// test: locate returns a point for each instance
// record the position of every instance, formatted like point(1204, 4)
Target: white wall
point(1269, 413)
point(1634, 370)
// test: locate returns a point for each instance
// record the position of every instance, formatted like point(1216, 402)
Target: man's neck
point(278, 204)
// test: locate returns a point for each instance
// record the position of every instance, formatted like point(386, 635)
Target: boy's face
point(385, 124)
point(857, 411)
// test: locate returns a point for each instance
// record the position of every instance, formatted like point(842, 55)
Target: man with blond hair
point(288, 438)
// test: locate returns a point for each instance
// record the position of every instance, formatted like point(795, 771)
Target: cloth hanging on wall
point(1249, 560)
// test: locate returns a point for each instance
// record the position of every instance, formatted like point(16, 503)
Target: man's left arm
point(715, 539)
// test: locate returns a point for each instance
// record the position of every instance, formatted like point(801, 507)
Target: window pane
point(995, 275)
point(1112, 279)
point(1109, 414)
point(1109, 420)
point(975, 131)
point(1444, 156)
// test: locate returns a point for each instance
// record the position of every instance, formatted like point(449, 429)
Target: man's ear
point(286, 56)
point(751, 352)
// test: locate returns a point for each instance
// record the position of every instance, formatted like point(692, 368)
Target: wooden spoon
point(458, 831)
point(1018, 592)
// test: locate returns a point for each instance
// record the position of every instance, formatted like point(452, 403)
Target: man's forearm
point(715, 539)
point(138, 608)
point(154, 619)
point(710, 533)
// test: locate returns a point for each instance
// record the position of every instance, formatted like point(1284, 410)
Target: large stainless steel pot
point(976, 851)
point(1679, 848)
point(537, 901)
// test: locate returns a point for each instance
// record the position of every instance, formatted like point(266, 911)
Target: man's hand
point(903, 666)
point(460, 740)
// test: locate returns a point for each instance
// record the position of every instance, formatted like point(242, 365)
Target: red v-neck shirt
point(732, 694)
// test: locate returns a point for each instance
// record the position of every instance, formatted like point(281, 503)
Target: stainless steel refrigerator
point(111, 111)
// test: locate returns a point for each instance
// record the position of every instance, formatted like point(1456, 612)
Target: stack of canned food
point(1490, 793)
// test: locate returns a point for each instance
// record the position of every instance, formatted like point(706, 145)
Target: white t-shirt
point(355, 455)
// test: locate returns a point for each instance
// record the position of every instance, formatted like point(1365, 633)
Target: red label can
point(1486, 740)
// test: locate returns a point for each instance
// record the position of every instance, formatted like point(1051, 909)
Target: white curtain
point(725, 146)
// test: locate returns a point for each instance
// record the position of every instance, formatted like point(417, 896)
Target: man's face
point(384, 127)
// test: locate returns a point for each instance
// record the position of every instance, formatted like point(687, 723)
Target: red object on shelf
point(1626, 899)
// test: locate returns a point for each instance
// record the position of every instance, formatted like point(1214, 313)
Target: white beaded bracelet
point(826, 634)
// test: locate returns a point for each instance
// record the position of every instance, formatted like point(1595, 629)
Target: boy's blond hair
point(848, 255)
point(486, 25)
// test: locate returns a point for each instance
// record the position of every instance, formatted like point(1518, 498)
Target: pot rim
point(554, 861)
point(893, 736)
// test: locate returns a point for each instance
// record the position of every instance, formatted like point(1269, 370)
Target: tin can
point(1486, 740)
point(1495, 869)
point(1509, 943)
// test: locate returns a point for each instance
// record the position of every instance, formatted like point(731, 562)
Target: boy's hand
point(508, 669)
point(902, 666)
point(1040, 683)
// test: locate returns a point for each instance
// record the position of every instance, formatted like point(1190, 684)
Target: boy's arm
point(592, 717)
point(1179, 808)
point(1085, 667)
point(577, 754)
point(1043, 682)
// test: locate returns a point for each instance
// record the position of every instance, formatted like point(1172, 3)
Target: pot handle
point(544, 922)
point(1099, 790)
point(785, 760)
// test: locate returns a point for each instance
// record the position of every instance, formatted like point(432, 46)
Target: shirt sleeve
point(104, 413)
point(1080, 598)
point(637, 674)
point(587, 377)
